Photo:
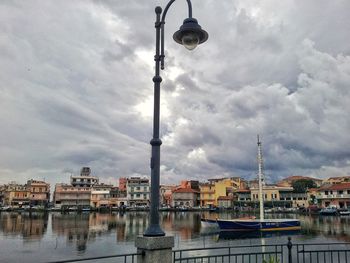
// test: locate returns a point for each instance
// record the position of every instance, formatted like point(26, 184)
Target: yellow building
point(216, 188)
point(207, 194)
point(274, 193)
point(223, 188)
point(270, 192)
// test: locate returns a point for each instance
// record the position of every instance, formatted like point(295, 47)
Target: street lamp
point(190, 35)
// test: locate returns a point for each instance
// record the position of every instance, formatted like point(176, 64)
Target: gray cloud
point(76, 89)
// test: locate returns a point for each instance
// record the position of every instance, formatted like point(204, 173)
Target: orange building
point(39, 192)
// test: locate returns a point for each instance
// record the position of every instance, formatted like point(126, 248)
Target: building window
point(340, 192)
point(137, 195)
point(138, 188)
point(326, 192)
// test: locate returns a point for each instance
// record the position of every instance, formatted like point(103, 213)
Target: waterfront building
point(243, 195)
point(186, 197)
point(100, 195)
point(280, 196)
point(270, 193)
point(138, 191)
point(207, 194)
point(85, 179)
point(2, 192)
point(16, 195)
point(225, 201)
point(219, 187)
point(39, 193)
point(117, 197)
point(334, 195)
point(66, 196)
point(191, 184)
point(222, 188)
point(239, 183)
point(293, 199)
point(166, 194)
point(122, 183)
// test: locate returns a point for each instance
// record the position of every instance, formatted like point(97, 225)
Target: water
point(42, 237)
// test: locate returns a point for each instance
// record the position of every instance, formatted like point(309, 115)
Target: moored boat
point(261, 224)
point(205, 222)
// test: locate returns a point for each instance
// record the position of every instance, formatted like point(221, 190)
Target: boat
point(260, 224)
point(205, 222)
point(263, 225)
point(329, 211)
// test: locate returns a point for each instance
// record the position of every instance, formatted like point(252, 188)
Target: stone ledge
point(154, 243)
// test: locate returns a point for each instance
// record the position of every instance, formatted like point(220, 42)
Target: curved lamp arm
point(162, 22)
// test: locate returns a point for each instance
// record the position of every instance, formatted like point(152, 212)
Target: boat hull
point(209, 222)
point(257, 225)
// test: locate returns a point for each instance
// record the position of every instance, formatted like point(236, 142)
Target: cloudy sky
point(76, 89)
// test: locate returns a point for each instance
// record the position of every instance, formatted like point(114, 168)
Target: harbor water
point(43, 237)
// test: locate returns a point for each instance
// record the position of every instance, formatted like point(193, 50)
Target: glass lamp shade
point(190, 34)
point(190, 40)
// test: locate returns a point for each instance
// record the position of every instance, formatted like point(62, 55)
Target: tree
point(300, 186)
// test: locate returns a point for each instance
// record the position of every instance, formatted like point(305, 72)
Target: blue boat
point(261, 224)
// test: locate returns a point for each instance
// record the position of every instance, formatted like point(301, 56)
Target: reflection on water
point(59, 236)
point(254, 234)
point(25, 226)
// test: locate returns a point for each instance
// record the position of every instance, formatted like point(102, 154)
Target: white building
point(85, 179)
point(138, 191)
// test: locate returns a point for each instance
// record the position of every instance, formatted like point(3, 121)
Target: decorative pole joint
point(156, 142)
point(157, 79)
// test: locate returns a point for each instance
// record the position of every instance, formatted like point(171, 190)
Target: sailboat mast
point(261, 180)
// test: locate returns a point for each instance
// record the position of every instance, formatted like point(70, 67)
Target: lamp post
point(190, 35)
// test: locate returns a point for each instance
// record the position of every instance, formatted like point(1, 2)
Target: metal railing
point(322, 253)
point(125, 258)
point(278, 253)
point(238, 254)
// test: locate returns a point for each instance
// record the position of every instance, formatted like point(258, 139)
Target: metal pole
point(289, 246)
point(154, 227)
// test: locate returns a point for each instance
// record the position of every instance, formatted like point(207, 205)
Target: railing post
point(289, 246)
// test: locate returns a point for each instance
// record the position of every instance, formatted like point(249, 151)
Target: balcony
point(330, 196)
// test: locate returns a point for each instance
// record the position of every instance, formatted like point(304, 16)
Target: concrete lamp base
point(155, 249)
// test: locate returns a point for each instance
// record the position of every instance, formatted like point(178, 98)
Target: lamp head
point(190, 34)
